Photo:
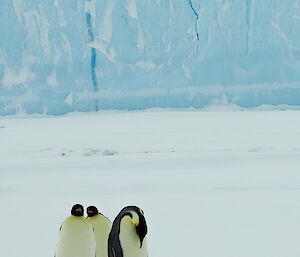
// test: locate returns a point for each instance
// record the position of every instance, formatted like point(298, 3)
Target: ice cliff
point(58, 56)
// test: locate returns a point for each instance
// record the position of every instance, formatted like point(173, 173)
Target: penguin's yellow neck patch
point(135, 218)
point(93, 217)
point(76, 217)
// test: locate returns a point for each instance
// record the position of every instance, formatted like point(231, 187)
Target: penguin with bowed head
point(76, 238)
point(102, 226)
point(127, 237)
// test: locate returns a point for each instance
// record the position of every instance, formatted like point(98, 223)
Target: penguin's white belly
point(76, 239)
point(102, 228)
point(130, 242)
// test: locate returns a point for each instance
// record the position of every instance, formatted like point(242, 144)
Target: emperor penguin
point(102, 226)
point(127, 237)
point(76, 238)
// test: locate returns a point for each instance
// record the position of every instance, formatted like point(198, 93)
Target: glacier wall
point(58, 56)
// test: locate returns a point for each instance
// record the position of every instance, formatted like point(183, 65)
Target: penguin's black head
point(138, 220)
point(77, 210)
point(92, 211)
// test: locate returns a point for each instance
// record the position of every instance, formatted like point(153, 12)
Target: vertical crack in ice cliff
point(196, 24)
point(249, 7)
point(93, 50)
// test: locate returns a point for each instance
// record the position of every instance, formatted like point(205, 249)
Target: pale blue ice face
point(58, 56)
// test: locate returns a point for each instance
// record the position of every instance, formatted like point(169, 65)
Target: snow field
point(211, 183)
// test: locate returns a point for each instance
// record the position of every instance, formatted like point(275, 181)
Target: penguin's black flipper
point(114, 247)
point(110, 251)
